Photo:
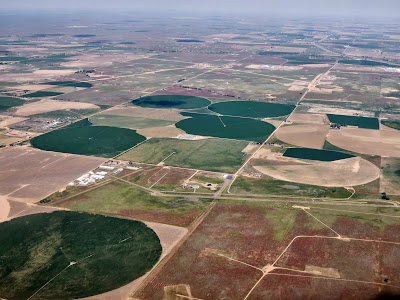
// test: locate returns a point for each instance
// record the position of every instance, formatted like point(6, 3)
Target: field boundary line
point(305, 210)
point(173, 152)
point(357, 212)
point(123, 152)
point(159, 179)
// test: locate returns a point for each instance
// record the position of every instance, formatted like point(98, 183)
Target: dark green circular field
point(103, 141)
point(69, 255)
point(172, 101)
point(226, 127)
point(251, 109)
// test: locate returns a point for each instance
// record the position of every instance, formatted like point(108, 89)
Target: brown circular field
point(367, 141)
point(340, 173)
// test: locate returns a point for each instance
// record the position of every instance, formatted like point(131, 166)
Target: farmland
point(33, 174)
point(314, 154)
point(127, 122)
point(41, 94)
point(208, 154)
point(122, 199)
point(251, 109)
point(83, 254)
point(226, 127)
point(103, 141)
point(360, 122)
point(8, 102)
point(219, 250)
point(178, 156)
point(171, 101)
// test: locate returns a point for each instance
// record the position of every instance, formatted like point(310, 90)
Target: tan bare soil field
point(151, 113)
point(310, 135)
point(33, 87)
point(250, 148)
point(159, 132)
point(169, 236)
point(388, 187)
point(274, 67)
point(308, 118)
point(6, 140)
point(8, 120)
point(316, 108)
point(44, 106)
point(10, 209)
point(341, 173)
point(367, 141)
point(37, 75)
point(30, 175)
point(93, 60)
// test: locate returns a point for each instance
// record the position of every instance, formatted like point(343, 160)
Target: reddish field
point(225, 256)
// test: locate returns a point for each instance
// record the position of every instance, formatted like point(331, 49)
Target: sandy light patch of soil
point(169, 236)
point(315, 108)
point(274, 67)
point(4, 208)
point(20, 209)
point(29, 174)
point(250, 148)
point(37, 75)
point(307, 135)
point(27, 49)
point(329, 90)
point(44, 106)
point(264, 153)
point(388, 187)
point(33, 87)
point(321, 271)
point(94, 60)
point(151, 113)
point(159, 132)
point(367, 141)
point(383, 127)
point(308, 118)
point(341, 173)
point(8, 120)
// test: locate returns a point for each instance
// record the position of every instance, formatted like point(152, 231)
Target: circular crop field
point(101, 141)
point(251, 109)
point(226, 127)
point(172, 101)
point(69, 255)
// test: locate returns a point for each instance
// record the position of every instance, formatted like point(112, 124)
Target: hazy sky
point(293, 7)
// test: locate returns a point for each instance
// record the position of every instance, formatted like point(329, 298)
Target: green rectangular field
point(361, 122)
point(122, 199)
point(216, 155)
